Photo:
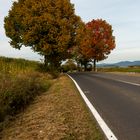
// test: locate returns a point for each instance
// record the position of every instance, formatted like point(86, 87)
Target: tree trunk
point(94, 65)
point(45, 60)
point(78, 66)
point(85, 67)
point(54, 65)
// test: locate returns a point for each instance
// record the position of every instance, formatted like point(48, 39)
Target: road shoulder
point(57, 114)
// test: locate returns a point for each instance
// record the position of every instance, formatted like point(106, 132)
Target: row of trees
point(52, 29)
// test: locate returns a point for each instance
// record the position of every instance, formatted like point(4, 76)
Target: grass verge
point(17, 92)
point(20, 83)
point(59, 114)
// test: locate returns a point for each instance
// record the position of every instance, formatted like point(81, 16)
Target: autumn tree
point(69, 65)
point(81, 52)
point(47, 26)
point(101, 40)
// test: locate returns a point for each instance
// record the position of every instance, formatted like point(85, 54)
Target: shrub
point(69, 66)
point(17, 92)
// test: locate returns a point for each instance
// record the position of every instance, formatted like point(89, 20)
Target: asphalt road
point(117, 100)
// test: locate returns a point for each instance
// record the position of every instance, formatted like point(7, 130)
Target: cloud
point(123, 55)
point(25, 52)
point(5, 48)
point(123, 15)
point(124, 18)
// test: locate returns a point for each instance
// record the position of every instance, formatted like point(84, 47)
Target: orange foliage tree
point(46, 26)
point(79, 51)
point(95, 41)
point(101, 40)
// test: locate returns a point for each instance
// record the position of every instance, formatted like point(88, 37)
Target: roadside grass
point(59, 114)
point(33, 105)
point(20, 83)
point(16, 66)
point(17, 92)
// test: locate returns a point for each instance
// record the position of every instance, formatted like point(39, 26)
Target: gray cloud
point(123, 15)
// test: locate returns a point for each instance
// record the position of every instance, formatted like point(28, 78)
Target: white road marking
point(86, 91)
point(107, 131)
point(135, 84)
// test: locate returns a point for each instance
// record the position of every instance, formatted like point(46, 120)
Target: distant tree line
point(52, 29)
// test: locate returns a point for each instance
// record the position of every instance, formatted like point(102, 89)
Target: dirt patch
point(59, 114)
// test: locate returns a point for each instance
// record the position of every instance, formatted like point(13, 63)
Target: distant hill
point(120, 64)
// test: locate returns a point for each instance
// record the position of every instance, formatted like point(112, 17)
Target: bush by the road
point(17, 92)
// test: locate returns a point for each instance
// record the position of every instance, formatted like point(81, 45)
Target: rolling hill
point(120, 64)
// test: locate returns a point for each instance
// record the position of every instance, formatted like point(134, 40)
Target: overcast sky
point(123, 15)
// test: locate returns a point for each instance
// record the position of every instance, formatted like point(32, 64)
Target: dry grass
point(58, 114)
point(15, 66)
point(17, 92)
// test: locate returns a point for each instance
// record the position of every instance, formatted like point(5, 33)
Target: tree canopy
point(47, 26)
point(96, 42)
point(102, 39)
point(52, 29)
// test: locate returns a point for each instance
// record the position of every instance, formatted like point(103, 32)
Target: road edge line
point(134, 84)
point(107, 131)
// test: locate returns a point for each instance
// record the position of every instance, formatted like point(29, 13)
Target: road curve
point(116, 98)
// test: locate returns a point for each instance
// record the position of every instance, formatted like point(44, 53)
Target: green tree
point(47, 26)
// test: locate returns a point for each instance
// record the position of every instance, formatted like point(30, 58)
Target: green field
point(135, 69)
